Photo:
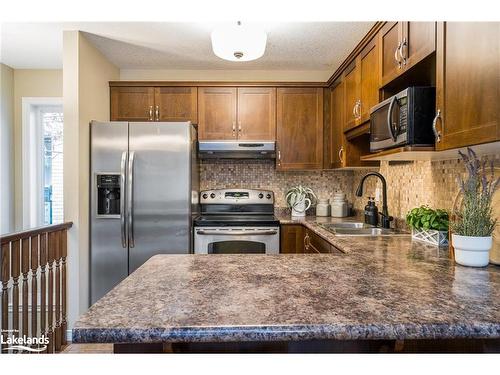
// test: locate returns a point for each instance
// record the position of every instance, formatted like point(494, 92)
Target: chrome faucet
point(386, 219)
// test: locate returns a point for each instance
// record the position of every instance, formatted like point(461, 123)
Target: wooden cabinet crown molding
point(214, 84)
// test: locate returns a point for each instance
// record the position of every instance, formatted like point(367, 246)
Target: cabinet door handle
point(157, 113)
point(341, 152)
point(354, 109)
point(396, 53)
point(401, 53)
point(150, 113)
point(234, 129)
point(306, 242)
point(239, 126)
point(437, 134)
point(359, 108)
point(279, 158)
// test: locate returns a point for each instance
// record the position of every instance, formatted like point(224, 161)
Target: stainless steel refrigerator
point(144, 183)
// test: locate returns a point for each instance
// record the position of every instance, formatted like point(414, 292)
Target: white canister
point(339, 205)
point(323, 207)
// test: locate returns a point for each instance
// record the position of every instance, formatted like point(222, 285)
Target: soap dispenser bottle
point(371, 212)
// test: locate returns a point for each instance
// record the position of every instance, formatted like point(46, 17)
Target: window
point(42, 161)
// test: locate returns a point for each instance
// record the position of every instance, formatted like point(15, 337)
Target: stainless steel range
point(236, 221)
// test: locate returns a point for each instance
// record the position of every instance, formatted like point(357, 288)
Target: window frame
point(32, 162)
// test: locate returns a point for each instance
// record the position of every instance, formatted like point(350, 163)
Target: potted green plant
point(429, 225)
point(299, 199)
point(473, 222)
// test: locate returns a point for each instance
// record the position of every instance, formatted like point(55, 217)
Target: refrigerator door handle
point(130, 199)
point(123, 226)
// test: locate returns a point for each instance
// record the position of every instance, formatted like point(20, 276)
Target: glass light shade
point(239, 42)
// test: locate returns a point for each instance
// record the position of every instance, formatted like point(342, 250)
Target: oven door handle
point(237, 232)
point(389, 118)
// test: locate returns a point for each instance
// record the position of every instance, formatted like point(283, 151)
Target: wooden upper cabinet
point(257, 113)
point(370, 80)
point(468, 83)
point(299, 128)
point(176, 104)
point(336, 149)
point(351, 96)
point(390, 37)
point(421, 41)
point(403, 45)
point(217, 113)
point(132, 103)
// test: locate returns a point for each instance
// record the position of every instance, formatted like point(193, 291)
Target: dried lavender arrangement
point(474, 216)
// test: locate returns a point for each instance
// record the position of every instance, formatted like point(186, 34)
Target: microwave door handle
point(123, 196)
point(389, 118)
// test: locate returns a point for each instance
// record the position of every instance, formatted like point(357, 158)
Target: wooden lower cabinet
point(296, 239)
point(316, 244)
point(468, 83)
point(292, 239)
point(299, 132)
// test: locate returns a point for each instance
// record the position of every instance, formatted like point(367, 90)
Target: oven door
point(388, 122)
point(236, 240)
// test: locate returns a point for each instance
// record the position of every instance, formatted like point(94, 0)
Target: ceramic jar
point(323, 207)
point(339, 205)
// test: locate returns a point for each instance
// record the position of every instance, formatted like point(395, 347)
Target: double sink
point(360, 229)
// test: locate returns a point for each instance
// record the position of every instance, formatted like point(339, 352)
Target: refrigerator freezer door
point(108, 247)
point(160, 220)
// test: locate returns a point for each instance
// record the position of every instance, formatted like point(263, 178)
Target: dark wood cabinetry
point(299, 132)
point(217, 113)
point(176, 104)
point(153, 104)
point(247, 113)
point(468, 84)
point(361, 85)
point(257, 113)
point(132, 103)
point(403, 45)
point(336, 149)
point(292, 239)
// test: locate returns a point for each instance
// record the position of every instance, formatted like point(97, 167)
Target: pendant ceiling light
point(239, 42)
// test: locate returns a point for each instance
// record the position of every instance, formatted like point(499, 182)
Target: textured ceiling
point(291, 46)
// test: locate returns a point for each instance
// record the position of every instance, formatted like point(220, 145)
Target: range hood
point(236, 150)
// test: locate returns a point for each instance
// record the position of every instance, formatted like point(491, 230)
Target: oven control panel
point(236, 196)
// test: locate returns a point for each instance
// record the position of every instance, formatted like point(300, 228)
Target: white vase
point(472, 251)
point(300, 208)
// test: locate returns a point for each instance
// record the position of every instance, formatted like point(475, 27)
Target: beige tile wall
point(410, 184)
point(261, 174)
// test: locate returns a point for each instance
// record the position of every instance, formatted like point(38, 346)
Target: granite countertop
point(382, 288)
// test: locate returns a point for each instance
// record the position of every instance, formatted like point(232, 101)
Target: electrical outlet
point(377, 194)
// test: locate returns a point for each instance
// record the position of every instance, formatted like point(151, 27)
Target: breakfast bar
point(372, 290)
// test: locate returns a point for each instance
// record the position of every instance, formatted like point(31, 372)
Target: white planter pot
point(300, 208)
point(472, 251)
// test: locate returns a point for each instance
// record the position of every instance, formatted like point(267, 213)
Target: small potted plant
point(429, 225)
point(473, 222)
point(299, 199)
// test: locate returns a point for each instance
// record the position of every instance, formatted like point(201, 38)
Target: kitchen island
point(383, 288)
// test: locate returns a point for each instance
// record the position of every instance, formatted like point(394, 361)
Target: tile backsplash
point(409, 184)
point(261, 174)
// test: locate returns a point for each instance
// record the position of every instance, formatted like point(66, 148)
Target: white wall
point(29, 83)
point(224, 75)
point(6, 149)
point(86, 73)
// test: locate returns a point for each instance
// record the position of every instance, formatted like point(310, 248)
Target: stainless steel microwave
point(403, 119)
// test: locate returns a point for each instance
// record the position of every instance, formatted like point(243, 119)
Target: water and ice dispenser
point(108, 195)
